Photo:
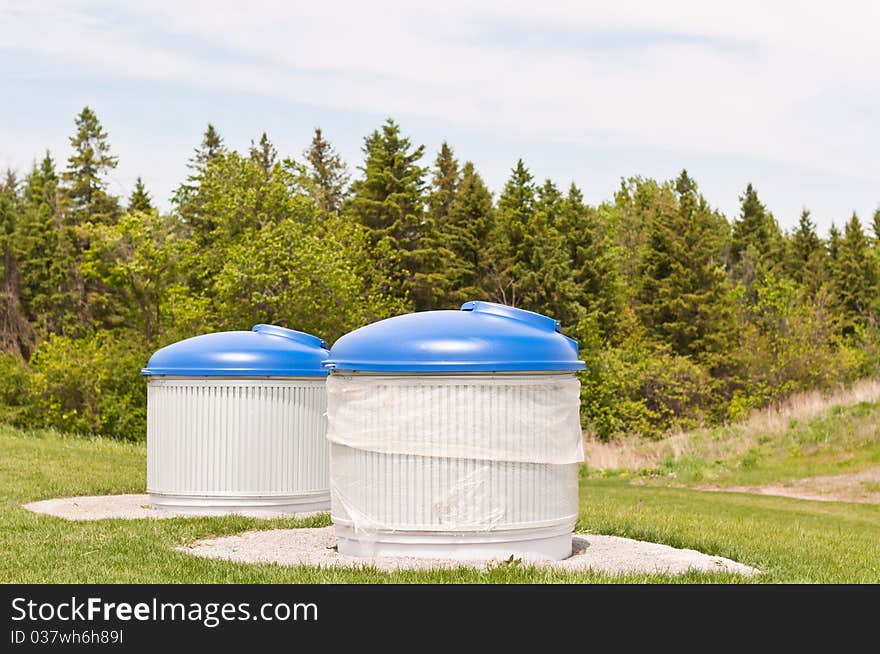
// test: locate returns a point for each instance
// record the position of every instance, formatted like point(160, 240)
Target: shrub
point(90, 385)
point(14, 381)
point(640, 390)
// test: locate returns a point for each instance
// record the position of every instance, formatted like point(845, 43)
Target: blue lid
point(267, 350)
point(482, 337)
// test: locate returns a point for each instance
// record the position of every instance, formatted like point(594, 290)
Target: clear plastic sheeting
point(512, 418)
point(454, 454)
point(374, 492)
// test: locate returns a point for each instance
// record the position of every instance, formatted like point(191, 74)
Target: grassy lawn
point(842, 439)
point(790, 540)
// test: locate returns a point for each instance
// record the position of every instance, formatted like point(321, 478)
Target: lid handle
point(291, 335)
point(536, 320)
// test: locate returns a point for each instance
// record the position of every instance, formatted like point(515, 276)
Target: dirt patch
point(104, 507)
point(316, 547)
point(862, 487)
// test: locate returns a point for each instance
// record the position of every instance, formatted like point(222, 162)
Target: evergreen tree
point(684, 300)
point(328, 174)
point(186, 196)
point(805, 241)
point(444, 185)
point(87, 170)
point(875, 225)
point(516, 205)
point(594, 266)
point(389, 201)
point(264, 153)
point(531, 266)
point(834, 239)
point(44, 250)
point(855, 274)
point(457, 251)
point(806, 255)
point(15, 331)
point(549, 200)
point(140, 198)
point(432, 282)
point(756, 242)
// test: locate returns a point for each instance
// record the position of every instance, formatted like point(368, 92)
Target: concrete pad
point(317, 547)
point(128, 507)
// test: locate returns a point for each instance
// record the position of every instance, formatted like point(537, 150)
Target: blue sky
point(783, 95)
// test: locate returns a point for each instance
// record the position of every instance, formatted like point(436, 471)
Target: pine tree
point(140, 198)
point(600, 293)
point(432, 282)
point(328, 174)
point(186, 197)
point(87, 170)
point(805, 241)
point(806, 256)
point(683, 300)
point(549, 200)
point(459, 257)
point(45, 252)
point(834, 239)
point(516, 205)
point(444, 185)
point(531, 268)
point(875, 225)
point(264, 153)
point(15, 332)
point(389, 201)
point(756, 241)
point(855, 274)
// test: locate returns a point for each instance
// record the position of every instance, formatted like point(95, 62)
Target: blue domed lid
point(482, 337)
point(267, 350)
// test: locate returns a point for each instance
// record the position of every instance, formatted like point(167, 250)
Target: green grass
point(790, 540)
point(842, 439)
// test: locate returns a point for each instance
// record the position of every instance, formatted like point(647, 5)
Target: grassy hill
point(653, 492)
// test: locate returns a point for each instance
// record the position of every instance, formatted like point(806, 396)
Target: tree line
point(685, 317)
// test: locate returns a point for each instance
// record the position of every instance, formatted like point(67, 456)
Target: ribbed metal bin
point(447, 445)
point(223, 438)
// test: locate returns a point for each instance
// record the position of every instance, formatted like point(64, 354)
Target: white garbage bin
point(236, 424)
point(455, 434)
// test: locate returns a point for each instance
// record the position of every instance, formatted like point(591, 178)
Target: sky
point(785, 95)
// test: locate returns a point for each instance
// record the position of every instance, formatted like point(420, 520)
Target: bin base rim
point(537, 544)
point(253, 505)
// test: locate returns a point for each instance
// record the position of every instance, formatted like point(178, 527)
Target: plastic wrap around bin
point(455, 434)
point(236, 424)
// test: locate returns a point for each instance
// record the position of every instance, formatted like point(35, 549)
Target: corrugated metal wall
point(220, 437)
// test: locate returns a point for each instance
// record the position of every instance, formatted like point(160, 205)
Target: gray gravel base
point(128, 507)
point(316, 547)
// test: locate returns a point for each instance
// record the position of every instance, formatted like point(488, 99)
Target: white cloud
point(794, 84)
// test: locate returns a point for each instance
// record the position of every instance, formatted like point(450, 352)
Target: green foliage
point(684, 296)
point(328, 174)
point(288, 274)
point(90, 385)
point(87, 170)
point(136, 261)
point(788, 343)
point(389, 201)
point(140, 199)
point(635, 389)
point(856, 275)
point(14, 381)
point(455, 252)
point(683, 318)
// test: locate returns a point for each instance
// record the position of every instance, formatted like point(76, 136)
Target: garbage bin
point(455, 434)
point(236, 423)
